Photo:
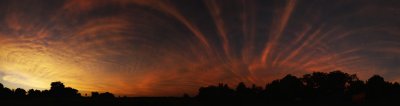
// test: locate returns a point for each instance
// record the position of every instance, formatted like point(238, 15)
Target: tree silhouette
point(243, 91)
point(376, 88)
point(57, 85)
point(19, 92)
point(290, 88)
point(59, 90)
point(356, 91)
point(216, 94)
point(57, 95)
point(317, 88)
point(34, 93)
point(106, 95)
point(335, 87)
point(95, 94)
point(6, 92)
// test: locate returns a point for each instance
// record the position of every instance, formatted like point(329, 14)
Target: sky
point(171, 47)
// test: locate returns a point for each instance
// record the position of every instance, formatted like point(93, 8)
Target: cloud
point(153, 48)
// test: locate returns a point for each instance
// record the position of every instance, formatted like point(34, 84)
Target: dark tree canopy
point(57, 90)
point(19, 92)
point(318, 87)
point(106, 95)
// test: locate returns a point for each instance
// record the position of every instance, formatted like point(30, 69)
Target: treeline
point(57, 90)
point(317, 88)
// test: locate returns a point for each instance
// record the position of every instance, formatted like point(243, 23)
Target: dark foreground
point(173, 101)
point(316, 89)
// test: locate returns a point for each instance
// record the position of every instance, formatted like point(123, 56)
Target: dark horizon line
point(183, 93)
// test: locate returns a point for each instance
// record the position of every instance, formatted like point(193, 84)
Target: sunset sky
point(171, 47)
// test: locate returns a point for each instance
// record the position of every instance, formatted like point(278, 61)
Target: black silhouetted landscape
point(315, 89)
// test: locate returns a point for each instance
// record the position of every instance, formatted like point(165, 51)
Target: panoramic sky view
point(171, 47)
